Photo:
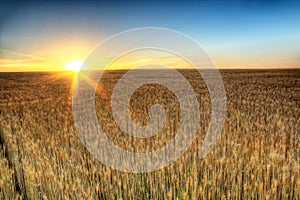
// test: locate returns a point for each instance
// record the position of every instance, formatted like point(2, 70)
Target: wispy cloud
point(13, 55)
point(17, 61)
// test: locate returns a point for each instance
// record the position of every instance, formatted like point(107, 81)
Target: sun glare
point(74, 66)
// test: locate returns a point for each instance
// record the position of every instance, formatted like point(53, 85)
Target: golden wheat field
point(257, 156)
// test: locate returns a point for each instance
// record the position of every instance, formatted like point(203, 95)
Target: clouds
point(12, 55)
point(14, 61)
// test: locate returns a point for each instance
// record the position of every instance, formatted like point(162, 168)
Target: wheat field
point(257, 156)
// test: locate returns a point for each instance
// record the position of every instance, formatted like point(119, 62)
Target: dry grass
point(257, 157)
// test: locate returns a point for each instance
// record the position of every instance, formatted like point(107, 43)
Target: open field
point(257, 156)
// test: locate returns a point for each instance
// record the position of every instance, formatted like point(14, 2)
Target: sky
point(47, 35)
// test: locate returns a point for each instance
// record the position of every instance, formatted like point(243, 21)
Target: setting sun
point(74, 66)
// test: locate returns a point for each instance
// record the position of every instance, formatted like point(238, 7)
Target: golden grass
point(257, 156)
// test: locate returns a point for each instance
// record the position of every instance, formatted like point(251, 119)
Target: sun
point(74, 66)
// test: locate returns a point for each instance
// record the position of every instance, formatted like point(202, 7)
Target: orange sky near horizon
point(54, 58)
point(57, 59)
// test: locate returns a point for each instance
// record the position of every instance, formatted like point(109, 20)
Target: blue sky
point(244, 34)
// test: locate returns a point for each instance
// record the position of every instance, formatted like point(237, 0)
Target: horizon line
point(56, 71)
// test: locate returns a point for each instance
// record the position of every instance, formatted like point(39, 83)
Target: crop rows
point(257, 156)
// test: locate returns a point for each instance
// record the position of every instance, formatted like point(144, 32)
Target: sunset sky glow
point(46, 36)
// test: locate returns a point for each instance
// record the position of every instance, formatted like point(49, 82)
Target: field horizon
point(180, 69)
